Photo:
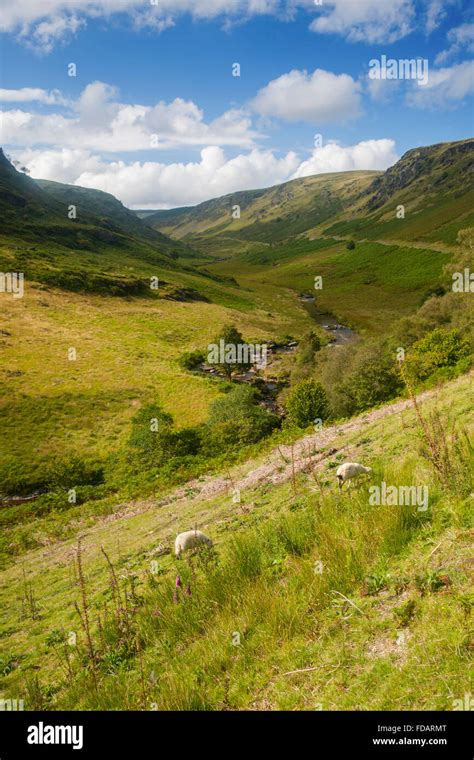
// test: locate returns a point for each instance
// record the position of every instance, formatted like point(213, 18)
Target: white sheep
point(190, 539)
point(348, 471)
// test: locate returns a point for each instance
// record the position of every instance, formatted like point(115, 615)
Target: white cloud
point(435, 13)
point(369, 154)
point(30, 94)
point(366, 20)
point(159, 185)
point(42, 24)
point(59, 165)
point(45, 35)
point(98, 121)
point(152, 184)
point(461, 39)
point(445, 86)
point(316, 98)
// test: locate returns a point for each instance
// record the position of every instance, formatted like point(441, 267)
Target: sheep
point(190, 539)
point(350, 470)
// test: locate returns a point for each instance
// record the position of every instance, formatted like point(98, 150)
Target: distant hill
point(433, 183)
point(106, 248)
point(267, 215)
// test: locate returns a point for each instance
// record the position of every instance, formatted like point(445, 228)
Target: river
point(340, 334)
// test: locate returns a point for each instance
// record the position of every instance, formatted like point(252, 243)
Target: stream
point(340, 335)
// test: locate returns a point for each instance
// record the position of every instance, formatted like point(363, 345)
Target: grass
point(368, 288)
point(127, 355)
point(311, 601)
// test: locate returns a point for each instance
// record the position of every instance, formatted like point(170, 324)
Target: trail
point(307, 454)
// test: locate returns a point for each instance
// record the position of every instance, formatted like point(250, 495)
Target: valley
point(92, 353)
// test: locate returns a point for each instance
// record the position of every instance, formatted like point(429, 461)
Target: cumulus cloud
point(461, 38)
point(159, 185)
point(30, 94)
point(445, 86)
point(43, 24)
point(368, 154)
point(316, 98)
point(98, 121)
point(366, 20)
point(151, 184)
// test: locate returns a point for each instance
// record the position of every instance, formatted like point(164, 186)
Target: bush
point(154, 440)
point(236, 418)
point(191, 360)
point(439, 348)
point(306, 403)
point(350, 245)
point(373, 379)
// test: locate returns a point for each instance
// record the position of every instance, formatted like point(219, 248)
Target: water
point(340, 335)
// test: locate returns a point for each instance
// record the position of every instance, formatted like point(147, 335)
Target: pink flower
point(188, 590)
point(178, 582)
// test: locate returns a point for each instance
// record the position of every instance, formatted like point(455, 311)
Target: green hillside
point(434, 184)
point(105, 249)
point(266, 215)
point(311, 600)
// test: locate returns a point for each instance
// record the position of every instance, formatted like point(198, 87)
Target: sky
point(167, 103)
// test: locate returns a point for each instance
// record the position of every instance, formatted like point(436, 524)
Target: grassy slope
point(355, 651)
point(266, 215)
point(127, 356)
point(396, 261)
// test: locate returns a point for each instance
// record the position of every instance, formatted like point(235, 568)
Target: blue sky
point(155, 116)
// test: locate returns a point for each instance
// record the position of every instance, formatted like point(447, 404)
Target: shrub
point(154, 439)
point(236, 418)
point(192, 359)
point(439, 348)
point(350, 245)
point(307, 402)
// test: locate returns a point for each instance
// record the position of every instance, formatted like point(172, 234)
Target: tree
point(236, 418)
point(229, 351)
point(307, 402)
point(154, 440)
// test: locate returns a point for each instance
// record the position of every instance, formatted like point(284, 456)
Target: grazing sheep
point(190, 539)
point(349, 471)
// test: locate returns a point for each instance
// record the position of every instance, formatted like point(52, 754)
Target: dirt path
point(440, 247)
point(309, 453)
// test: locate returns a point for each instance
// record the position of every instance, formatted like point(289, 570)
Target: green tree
point(225, 352)
point(154, 440)
point(236, 418)
point(307, 402)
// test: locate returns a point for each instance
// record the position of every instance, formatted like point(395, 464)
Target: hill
point(311, 600)
point(434, 184)
point(403, 223)
point(266, 215)
point(85, 240)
